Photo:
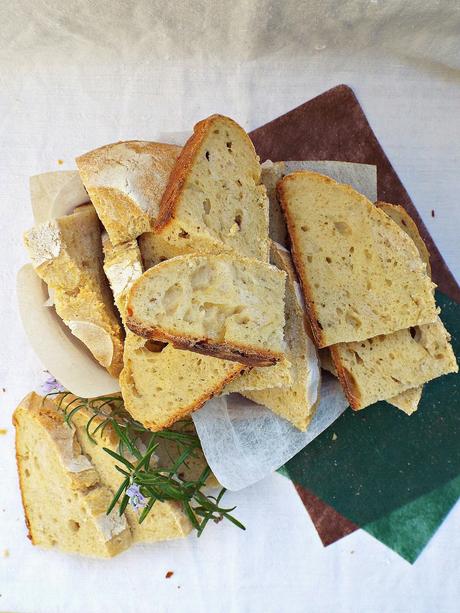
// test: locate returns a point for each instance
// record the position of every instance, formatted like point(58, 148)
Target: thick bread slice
point(125, 182)
point(161, 384)
point(214, 201)
point(64, 500)
point(155, 249)
point(220, 305)
point(386, 365)
point(165, 521)
point(122, 266)
point(400, 216)
point(272, 172)
point(407, 400)
point(296, 402)
point(67, 254)
point(361, 275)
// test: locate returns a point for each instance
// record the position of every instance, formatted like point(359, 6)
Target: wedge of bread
point(361, 275)
point(297, 401)
point(122, 266)
point(386, 365)
point(67, 254)
point(161, 384)
point(165, 521)
point(64, 499)
point(219, 305)
point(214, 201)
point(125, 182)
point(407, 401)
point(400, 216)
point(155, 249)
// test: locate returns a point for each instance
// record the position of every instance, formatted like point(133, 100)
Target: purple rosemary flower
point(51, 385)
point(136, 499)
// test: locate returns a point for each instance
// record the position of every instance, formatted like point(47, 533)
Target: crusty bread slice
point(125, 182)
point(400, 216)
point(386, 365)
point(220, 305)
point(214, 201)
point(64, 500)
point(122, 266)
point(161, 384)
point(361, 275)
point(295, 402)
point(67, 254)
point(165, 521)
point(407, 400)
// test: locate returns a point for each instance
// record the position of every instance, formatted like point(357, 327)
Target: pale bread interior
point(222, 205)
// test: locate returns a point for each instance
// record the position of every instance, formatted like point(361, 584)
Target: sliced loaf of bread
point(219, 305)
point(383, 366)
point(161, 384)
point(64, 499)
point(67, 254)
point(125, 182)
point(297, 401)
point(215, 201)
point(361, 275)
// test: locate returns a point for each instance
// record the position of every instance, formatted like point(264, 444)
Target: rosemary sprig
point(136, 446)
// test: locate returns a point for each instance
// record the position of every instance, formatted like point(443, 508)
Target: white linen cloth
point(80, 74)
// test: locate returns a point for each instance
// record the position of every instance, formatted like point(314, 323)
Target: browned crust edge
point(22, 406)
point(248, 355)
point(182, 168)
point(316, 329)
point(191, 408)
point(347, 381)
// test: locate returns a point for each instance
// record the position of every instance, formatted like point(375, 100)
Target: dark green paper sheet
point(394, 475)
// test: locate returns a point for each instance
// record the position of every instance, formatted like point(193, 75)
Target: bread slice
point(400, 216)
point(67, 254)
point(155, 249)
point(122, 266)
point(386, 365)
point(161, 384)
point(220, 305)
point(125, 182)
point(361, 275)
point(407, 401)
point(165, 521)
point(214, 201)
point(64, 500)
point(297, 401)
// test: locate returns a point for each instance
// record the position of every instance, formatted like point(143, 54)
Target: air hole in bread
point(309, 258)
point(388, 282)
point(342, 227)
point(358, 358)
point(172, 298)
point(304, 228)
point(352, 319)
point(201, 278)
point(368, 254)
point(369, 285)
point(27, 472)
point(183, 234)
point(439, 356)
point(339, 311)
point(328, 260)
point(238, 219)
point(207, 155)
point(395, 380)
point(207, 206)
point(229, 145)
point(74, 526)
point(154, 346)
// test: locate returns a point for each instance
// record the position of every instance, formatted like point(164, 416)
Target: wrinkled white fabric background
point(76, 75)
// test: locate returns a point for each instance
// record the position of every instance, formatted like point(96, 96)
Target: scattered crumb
point(334, 436)
point(169, 574)
point(432, 212)
point(352, 551)
point(3, 431)
point(178, 587)
point(60, 162)
point(6, 553)
point(3, 389)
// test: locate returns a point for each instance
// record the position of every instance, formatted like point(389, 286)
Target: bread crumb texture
point(362, 276)
point(222, 305)
point(215, 201)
